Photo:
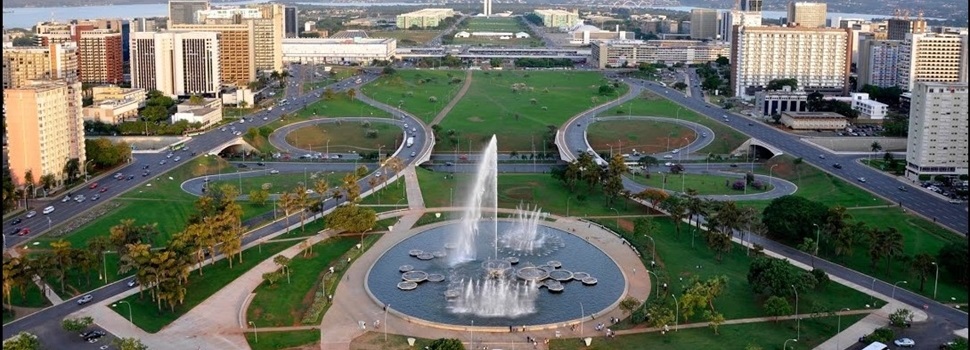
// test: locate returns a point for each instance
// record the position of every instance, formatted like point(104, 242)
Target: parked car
point(49, 209)
point(904, 342)
point(31, 214)
point(94, 336)
point(85, 299)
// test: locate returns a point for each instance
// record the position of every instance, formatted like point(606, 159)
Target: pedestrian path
point(451, 104)
point(49, 293)
point(415, 199)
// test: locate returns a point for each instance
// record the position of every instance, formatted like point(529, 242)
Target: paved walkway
point(451, 104)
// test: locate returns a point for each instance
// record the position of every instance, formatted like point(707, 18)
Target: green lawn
point(417, 36)
point(148, 317)
point(649, 104)
point(492, 106)
point(412, 90)
point(283, 340)
point(8, 315)
point(704, 184)
point(234, 112)
point(280, 182)
point(499, 24)
point(346, 137)
point(283, 303)
point(32, 298)
point(816, 185)
point(644, 136)
point(392, 194)
point(765, 335)
point(340, 106)
point(531, 189)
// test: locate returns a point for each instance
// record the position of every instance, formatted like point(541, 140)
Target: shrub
point(821, 278)
point(738, 185)
point(758, 185)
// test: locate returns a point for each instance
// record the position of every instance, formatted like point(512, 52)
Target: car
point(49, 209)
point(146, 173)
point(668, 156)
point(169, 155)
point(66, 199)
point(703, 134)
point(31, 214)
point(146, 166)
point(903, 188)
point(274, 171)
point(668, 164)
point(734, 165)
point(449, 164)
point(675, 150)
point(132, 283)
point(93, 186)
point(130, 177)
point(241, 165)
point(265, 118)
point(821, 156)
point(162, 162)
point(309, 191)
point(837, 166)
point(95, 197)
point(223, 129)
point(24, 231)
point(94, 336)
point(904, 342)
point(862, 179)
point(88, 333)
point(260, 164)
point(377, 174)
point(177, 159)
point(750, 124)
point(103, 190)
point(413, 154)
point(948, 345)
point(85, 299)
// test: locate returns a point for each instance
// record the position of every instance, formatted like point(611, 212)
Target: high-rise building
point(932, 57)
point(44, 129)
point(487, 8)
point(51, 62)
point(99, 47)
point(818, 58)
point(807, 14)
point(703, 24)
point(878, 63)
point(557, 18)
point(730, 19)
point(176, 63)
point(423, 18)
point(148, 24)
point(751, 5)
point(291, 22)
point(937, 141)
point(185, 11)
point(266, 21)
point(897, 28)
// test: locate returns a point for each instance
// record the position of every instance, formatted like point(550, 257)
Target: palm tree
point(352, 93)
point(62, 256)
point(695, 207)
point(72, 168)
point(98, 245)
point(844, 239)
point(836, 221)
point(676, 207)
point(922, 266)
point(286, 203)
point(86, 260)
point(352, 187)
point(284, 263)
point(727, 217)
point(892, 242)
point(14, 272)
point(136, 257)
point(321, 186)
point(719, 242)
point(300, 203)
point(28, 183)
point(48, 181)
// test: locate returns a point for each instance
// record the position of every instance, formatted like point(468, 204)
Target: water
point(483, 194)
point(492, 297)
point(782, 14)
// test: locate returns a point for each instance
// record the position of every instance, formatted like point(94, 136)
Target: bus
point(177, 146)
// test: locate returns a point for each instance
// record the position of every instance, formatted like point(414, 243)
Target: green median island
point(422, 93)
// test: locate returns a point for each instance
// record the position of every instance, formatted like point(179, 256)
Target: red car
point(104, 189)
point(93, 186)
point(24, 231)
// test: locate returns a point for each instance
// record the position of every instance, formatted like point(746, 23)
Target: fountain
point(481, 255)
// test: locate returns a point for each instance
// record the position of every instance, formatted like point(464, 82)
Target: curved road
point(278, 137)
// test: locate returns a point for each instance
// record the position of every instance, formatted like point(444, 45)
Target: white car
point(675, 150)
point(274, 171)
point(668, 157)
point(49, 209)
point(66, 199)
point(904, 342)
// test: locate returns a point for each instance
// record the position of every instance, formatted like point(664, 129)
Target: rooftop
point(814, 115)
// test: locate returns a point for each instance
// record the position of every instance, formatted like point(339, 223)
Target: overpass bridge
point(486, 53)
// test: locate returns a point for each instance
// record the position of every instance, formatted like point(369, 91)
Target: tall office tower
point(897, 28)
point(878, 63)
point(51, 62)
point(937, 141)
point(99, 47)
point(125, 39)
point(819, 58)
point(176, 63)
point(733, 18)
point(44, 129)
point(751, 5)
point(703, 24)
point(185, 11)
point(807, 14)
point(291, 22)
point(932, 58)
point(487, 8)
point(147, 24)
point(266, 21)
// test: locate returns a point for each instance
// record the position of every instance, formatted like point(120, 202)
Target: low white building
point(337, 51)
point(772, 102)
point(867, 108)
point(463, 34)
point(111, 111)
point(208, 113)
point(238, 96)
point(522, 35)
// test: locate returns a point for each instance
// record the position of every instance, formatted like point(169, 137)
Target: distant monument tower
point(487, 9)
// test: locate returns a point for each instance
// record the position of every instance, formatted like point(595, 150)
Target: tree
point(605, 90)
point(883, 335)
point(816, 102)
point(129, 344)
point(719, 243)
point(105, 154)
point(258, 197)
point(352, 93)
point(352, 218)
point(788, 218)
point(629, 304)
point(76, 324)
point(388, 70)
point(676, 208)
point(351, 187)
point(661, 314)
point(770, 276)
point(445, 344)
point(809, 246)
point(714, 319)
point(328, 94)
point(62, 253)
point(777, 84)
point(900, 318)
point(953, 258)
point(301, 201)
point(646, 162)
point(654, 195)
point(722, 61)
point(922, 266)
point(47, 182)
point(876, 147)
point(22, 341)
point(776, 307)
point(888, 243)
point(72, 168)
point(613, 184)
point(29, 182)
point(272, 277)
point(283, 262)
point(15, 275)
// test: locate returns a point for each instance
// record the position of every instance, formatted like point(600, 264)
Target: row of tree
point(543, 62)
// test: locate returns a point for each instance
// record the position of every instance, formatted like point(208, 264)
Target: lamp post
point(894, 288)
point(582, 315)
point(838, 329)
point(653, 245)
point(129, 309)
point(471, 332)
point(936, 280)
point(255, 331)
point(676, 312)
point(785, 347)
point(658, 281)
point(617, 218)
point(385, 313)
point(798, 320)
point(769, 174)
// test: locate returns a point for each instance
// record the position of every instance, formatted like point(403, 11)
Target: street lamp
point(769, 174)
point(839, 328)
point(582, 316)
point(894, 288)
point(656, 284)
point(785, 347)
point(676, 312)
point(798, 320)
point(653, 244)
point(129, 309)
point(255, 331)
point(617, 218)
point(936, 280)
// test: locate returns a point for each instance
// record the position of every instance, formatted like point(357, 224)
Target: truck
point(409, 142)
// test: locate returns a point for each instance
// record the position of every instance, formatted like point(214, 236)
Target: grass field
point(403, 36)
point(283, 303)
point(649, 104)
point(340, 106)
point(283, 340)
point(412, 90)
point(764, 335)
point(521, 116)
point(146, 313)
point(346, 137)
point(499, 24)
point(704, 184)
point(644, 136)
point(280, 182)
point(393, 194)
point(32, 298)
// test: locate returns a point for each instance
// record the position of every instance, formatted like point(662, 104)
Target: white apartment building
point(176, 63)
point(817, 57)
point(733, 18)
point(807, 14)
point(337, 51)
point(557, 18)
point(617, 53)
point(878, 63)
point(423, 18)
point(868, 109)
point(774, 102)
point(932, 57)
point(937, 142)
point(268, 30)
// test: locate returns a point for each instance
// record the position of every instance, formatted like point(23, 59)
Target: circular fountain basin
point(414, 276)
point(554, 263)
point(435, 302)
point(436, 277)
point(406, 268)
point(415, 252)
